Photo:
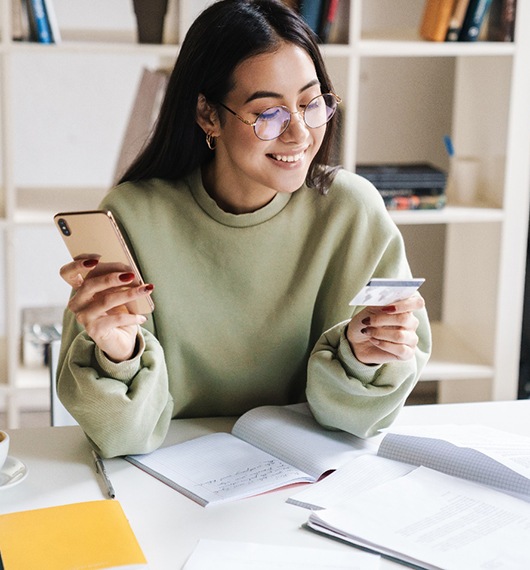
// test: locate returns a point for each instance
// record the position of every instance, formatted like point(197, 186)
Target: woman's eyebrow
point(273, 94)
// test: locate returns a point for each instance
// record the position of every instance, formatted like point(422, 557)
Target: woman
point(252, 250)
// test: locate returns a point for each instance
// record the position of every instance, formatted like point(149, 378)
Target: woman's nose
point(297, 129)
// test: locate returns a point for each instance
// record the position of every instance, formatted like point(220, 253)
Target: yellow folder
point(93, 535)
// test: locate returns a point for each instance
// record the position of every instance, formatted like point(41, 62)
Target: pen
point(100, 468)
point(449, 146)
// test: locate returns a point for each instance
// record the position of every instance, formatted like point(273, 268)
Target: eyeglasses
point(273, 122)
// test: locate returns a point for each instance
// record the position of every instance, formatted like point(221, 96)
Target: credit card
point(381, 292)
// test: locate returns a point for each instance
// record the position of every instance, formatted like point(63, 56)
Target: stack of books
point(407, 186)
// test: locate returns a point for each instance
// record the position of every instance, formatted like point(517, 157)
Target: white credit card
point(381, 292)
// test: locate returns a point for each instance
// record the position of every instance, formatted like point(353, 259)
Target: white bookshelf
point(63, 110)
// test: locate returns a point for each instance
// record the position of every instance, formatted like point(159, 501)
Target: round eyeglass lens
point(320, 110)
point(274, 121)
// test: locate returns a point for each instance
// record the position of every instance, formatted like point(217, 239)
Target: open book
point(433, 501)
point(269, 447)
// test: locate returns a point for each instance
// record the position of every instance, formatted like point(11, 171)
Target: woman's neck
point(232, 198)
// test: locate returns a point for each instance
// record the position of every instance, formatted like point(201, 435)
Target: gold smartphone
point(95, 232)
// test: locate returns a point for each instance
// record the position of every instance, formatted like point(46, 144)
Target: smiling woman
point(252, 164)
point(252, 247)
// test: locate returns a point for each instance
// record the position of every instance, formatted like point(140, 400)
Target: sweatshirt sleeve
point(346, 394)
point(123, 408)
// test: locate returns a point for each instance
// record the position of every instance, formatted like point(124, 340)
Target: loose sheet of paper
point(343, 485)
point(242, 556)
point(513, 450)
point(439, 520)
point(478, 453)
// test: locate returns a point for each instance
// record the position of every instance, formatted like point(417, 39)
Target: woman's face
point(250, 171)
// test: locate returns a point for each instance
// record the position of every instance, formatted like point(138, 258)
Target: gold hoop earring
point(211, 141)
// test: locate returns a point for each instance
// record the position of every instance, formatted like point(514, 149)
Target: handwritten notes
point(219, 467)
point(269, 447)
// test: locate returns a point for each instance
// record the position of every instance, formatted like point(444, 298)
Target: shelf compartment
point(453, 359)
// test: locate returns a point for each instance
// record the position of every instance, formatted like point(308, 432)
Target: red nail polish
point(149, 287)
point(366, 321)
point(126, 277)
point(388, 309)
point(89, 263)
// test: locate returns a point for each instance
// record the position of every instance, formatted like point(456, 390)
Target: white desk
point(166, 523)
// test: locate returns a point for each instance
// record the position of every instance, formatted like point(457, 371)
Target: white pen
point(100, 468)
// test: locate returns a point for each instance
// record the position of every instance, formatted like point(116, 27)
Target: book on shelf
point(311, 12)
point(328, 19)
point(143, 115)
point(268, 448)
point(19, 20)
point(70, 536)
point(456, 20)
point(435, 19)
point(39, 24)
point(396, 174)
point(433, 496)
point(476, 14)
point(501, 21)
point(416, 201)
point(339, 31)
point(407, 186)
point(52, 21)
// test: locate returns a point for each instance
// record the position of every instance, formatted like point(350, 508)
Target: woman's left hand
point(385, 334)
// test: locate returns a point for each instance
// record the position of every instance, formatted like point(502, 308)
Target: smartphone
point(95, 232)
point(381, 292)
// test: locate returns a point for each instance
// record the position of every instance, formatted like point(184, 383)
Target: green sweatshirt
point(250, 310)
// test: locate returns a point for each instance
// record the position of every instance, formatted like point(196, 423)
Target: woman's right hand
point(99, 303)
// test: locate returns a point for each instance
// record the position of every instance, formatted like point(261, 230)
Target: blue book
point(475, 16)
point(39, 24)
point(311, 12)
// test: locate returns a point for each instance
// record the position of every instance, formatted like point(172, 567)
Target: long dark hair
point(224, 35)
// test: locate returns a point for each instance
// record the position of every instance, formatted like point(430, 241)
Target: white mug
point(4, 447)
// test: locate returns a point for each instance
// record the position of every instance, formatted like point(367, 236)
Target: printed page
point(343, 485)
point(294, 436)
point(436, 521)
point(228, 555)
point(218, 467)
point(485, 455)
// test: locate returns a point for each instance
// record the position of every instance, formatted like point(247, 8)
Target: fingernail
point(141, 319)
point(126, 277)
point(366, 321)
point(388, 309)
point(88, 263)
point(148, 288)
point(364, 331)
